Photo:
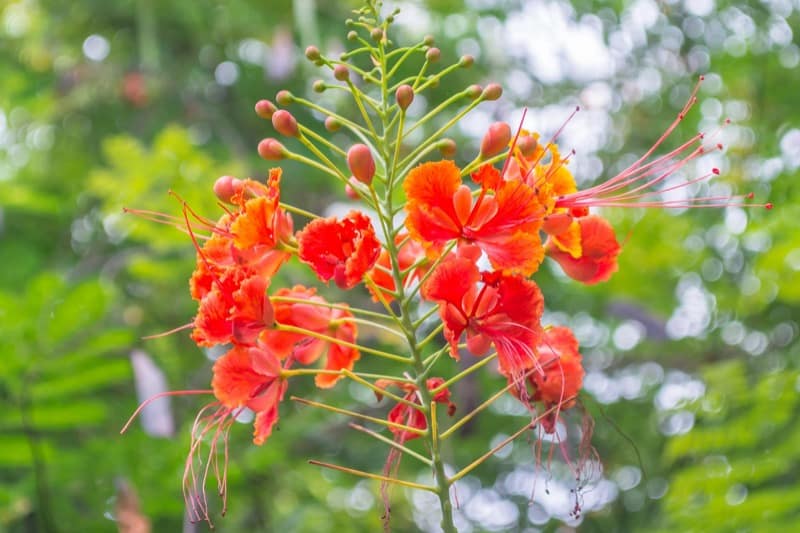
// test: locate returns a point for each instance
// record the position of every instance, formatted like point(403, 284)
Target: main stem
point(385, 211)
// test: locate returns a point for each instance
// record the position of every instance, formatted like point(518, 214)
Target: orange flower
point(250, 237)
point(504, 310)
point(599, 250)
point(236, 309)
point(250, 377)
point(503, 221)
point(343, 250)
point(409, 416)
point(409, 253)
point(561, 375)
point(316, 318)
point(557, 380)
point(244, 378)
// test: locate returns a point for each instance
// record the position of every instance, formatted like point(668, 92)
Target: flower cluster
point(471, 240)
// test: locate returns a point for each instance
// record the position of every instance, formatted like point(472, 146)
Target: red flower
point(503, 220)
point(315, 317)
point(599, 250)
point(250, 377)
point(236, 309)
point(409, 416)
point(504, 310)
point(245, 377)
point(557, 380)
point(561, 375)
point(409, 253)
point(343, 250)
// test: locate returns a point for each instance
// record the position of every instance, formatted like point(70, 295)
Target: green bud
point(284, 97)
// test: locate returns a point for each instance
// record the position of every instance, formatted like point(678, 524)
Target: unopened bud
point(332, 124)
point(341, 72)
point(474, 91)
point(526, 145)
point(376, 34)
point(271, 150)
point(360, 162)
point(466, 61)
point(312, 53)
point(447, 147)
point(433, 55)
point(493, 91)
point(265, 109)
point(284, 97)
point(352, 36)
point(404, 96)
point(496, 139)
point(428, 40)
point(319, 86)
point(225, 187)
point(285, 123)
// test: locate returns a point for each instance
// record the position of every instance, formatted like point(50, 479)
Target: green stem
point(334, 340)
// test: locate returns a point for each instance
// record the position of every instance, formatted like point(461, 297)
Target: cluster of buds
point(466, 249)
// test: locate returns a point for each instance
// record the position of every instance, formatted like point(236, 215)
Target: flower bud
point(265, 109)
point(332, 124)
point(428, 40)
point(493, 91)
point(376, 34)
point(341, 72)
point(496, 139)
point(284, 97)
point(312, 53)
point(447, 147)
point(271, 150)
point(527, 144)
point(225, 187)
point(352, 36)
point(474, 91)
point(319, 86)
point(433, 55)
point(466, 61)
point(404, 96)
point(360, 162)
point(285, 123)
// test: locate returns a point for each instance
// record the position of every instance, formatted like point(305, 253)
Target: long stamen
point(156, 397)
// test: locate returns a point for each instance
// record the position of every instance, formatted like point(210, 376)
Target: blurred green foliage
point(105, 105)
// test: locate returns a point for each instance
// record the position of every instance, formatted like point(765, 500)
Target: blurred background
point(691, 350)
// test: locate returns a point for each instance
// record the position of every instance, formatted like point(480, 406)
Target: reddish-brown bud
point(271, 150)
point(433, 55)
point(265, 109)
point(496, 139)
point(527, 144)
point(360, 162)
point(312, 53)
point(447, 147)
point(341, 72)
point(493, 91)
point(285, 123)
point(466, 61)
point(332, 124)
point(474, 91)
point(284, 97)
point(225, 187)
point(404, 96)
